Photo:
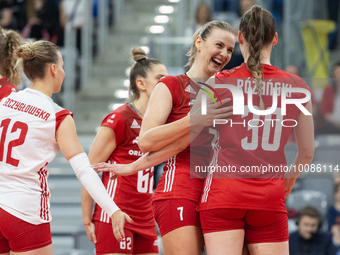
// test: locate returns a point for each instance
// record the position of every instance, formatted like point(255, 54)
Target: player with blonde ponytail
point(33, 131)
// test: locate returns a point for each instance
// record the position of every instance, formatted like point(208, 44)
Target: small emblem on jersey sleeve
point(135, 140)
point(135, 124)
point(113, 115)
point(189, 89)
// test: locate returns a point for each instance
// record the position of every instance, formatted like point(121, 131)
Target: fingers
point(128, 219)
point(113, 177)
point(94, 238)
point(118, 222)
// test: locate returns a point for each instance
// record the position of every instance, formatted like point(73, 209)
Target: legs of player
point(224, 242)
point(47, 250)
point(279, 248)
point(4, 254)
point(183, 241)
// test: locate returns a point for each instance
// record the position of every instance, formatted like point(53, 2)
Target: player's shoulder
point(167, 79)
point(118, 113)
point(236, 71)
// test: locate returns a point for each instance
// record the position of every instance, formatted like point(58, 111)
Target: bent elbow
point(307, 154)
point(144, 146)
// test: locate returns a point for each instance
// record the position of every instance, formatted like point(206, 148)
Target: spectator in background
point(6, 13)
point(309, 239)
point(203, 15)
point(333, 14)
point(72, 11)
point(333, 215)
point(43, 20)
point(330, 104)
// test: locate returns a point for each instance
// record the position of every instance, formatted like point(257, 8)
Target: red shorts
point(260, 226)
point(133, 243)
point(171, 214)
point(17, 235)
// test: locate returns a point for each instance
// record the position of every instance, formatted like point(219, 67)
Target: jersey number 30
point(14, 143)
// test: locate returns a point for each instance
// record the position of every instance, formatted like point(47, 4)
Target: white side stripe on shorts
point(170, 174)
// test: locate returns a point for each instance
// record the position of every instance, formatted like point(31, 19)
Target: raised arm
point(70, 146)
point(103, 146)
point(304, 132)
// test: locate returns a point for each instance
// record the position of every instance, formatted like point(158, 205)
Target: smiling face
point(215, 52)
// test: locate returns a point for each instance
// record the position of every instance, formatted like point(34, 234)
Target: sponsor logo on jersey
point(189, 89)
point(135, 124)
point(135, 153)
point(135, 140)
point(155, 243)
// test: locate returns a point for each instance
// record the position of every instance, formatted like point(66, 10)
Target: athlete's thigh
point(183, 241)
point(228, 242)
point(171, 214)
point(47, 250)
point(280, 248)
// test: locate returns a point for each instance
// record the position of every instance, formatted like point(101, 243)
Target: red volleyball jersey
point(176, 181)
point(132, 194)
point(6, 88)
point(254, 144)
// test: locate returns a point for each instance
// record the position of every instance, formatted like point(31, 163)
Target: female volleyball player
point(166, 127)
point(117, 142)
point(235, 208)
point(33, 130)
point(10, 77)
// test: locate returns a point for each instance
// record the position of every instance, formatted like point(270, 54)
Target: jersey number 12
point(14, 143)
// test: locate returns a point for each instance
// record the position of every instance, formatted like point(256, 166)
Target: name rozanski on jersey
point(22, 107)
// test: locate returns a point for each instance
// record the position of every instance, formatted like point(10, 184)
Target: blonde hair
point(9, 41)
point(140, 68)
point(204, 33)
point(36, 56)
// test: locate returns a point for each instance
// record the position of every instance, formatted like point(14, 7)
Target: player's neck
point(196, 72)
point(140, 104)
point(42, 87)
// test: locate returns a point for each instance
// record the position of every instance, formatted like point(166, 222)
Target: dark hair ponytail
point(258, 29)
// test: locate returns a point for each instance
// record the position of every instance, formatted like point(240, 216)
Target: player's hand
point(214, 111)
point(289, 183)
point(91, 232)
point(115, 169)
point(118, 221)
